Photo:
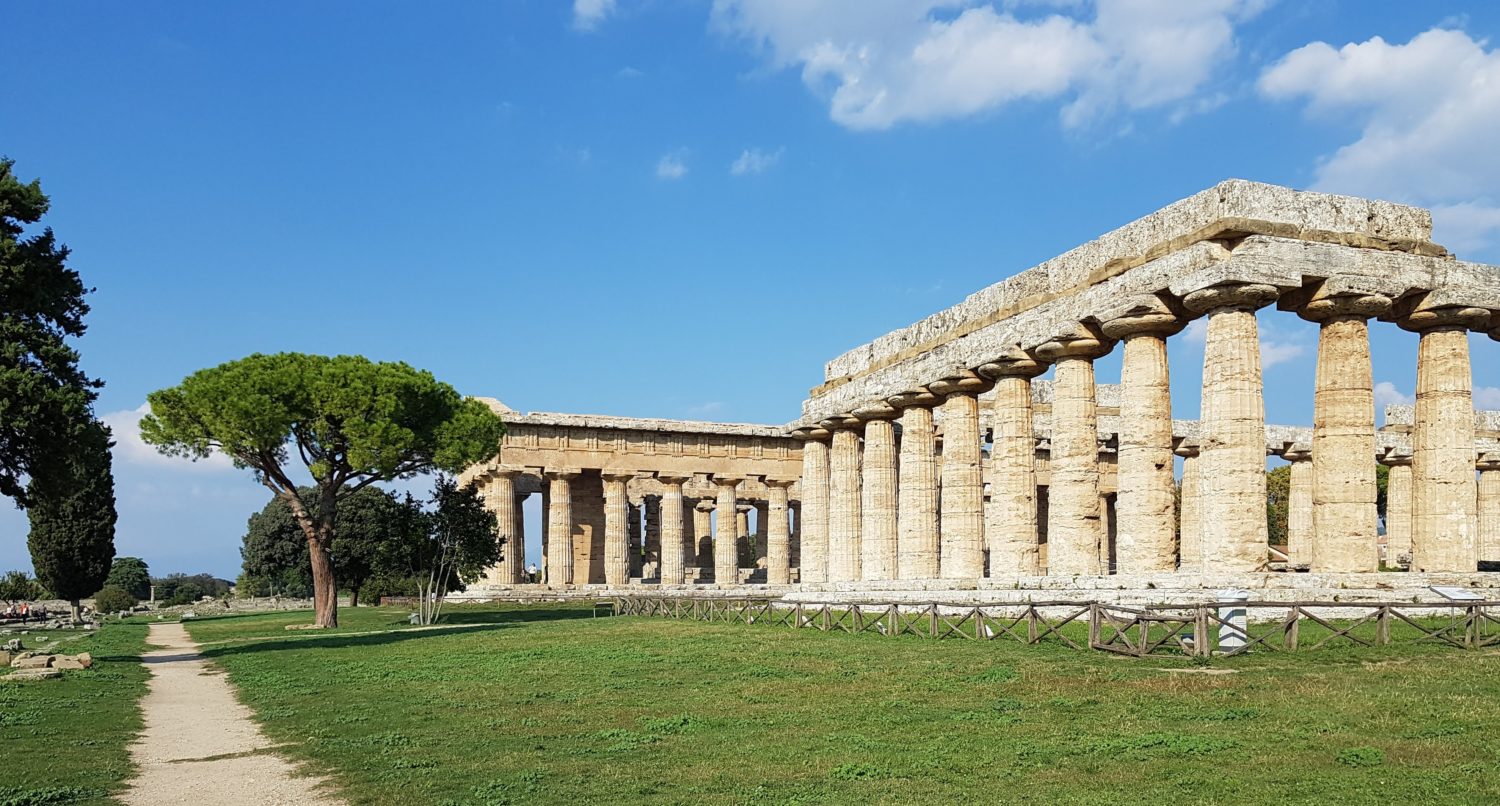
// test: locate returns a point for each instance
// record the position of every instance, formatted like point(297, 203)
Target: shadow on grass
point(451, 624)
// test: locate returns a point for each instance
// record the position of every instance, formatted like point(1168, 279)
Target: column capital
point(705, 505)
point(727, 481)
point(781, 483)
point(1396, 457)
point(1080, 341)
point(561, 473)
point(1449, 317)
point(1298, 452)
point(674, 479)
point(920, 396)
point(965, 382)
point(1488, 462)
point(1143, 315)
point(1186, 447)
point(1013, 363)
point(810, 434)
point(842, 423)
point(1345, 306)
point(1242, 296)
point(877, 411)
point(744, 507)
point(622, 476)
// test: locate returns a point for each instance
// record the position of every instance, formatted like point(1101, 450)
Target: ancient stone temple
point(934, 458)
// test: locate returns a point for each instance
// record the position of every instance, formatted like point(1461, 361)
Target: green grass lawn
point(548, 705)
point(66, 740)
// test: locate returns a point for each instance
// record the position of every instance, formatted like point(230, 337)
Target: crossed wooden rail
point(1197, 630)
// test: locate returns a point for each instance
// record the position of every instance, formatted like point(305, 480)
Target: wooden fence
point(1191, 630)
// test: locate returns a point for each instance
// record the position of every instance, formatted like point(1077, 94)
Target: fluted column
point(1300, 527)
point(500, 500)
point(546, 535)
point(762, 515)
point(1232, 437)
point(1444, 529)
point(962, 497)
point(1398, 509)
point(560, 526)
point(616, 537)
point(917, 488)
point(1010, 528)
point(795, 550)
point(843, 501)
point(673, 546)
point(1343, 440)
point(878, 486)
point(1074, 525)
point(1488, 504)
point(726, 565)
point(518, 536)
point(778, 533)
point(703, 531)
point(1146, 489)
point(815, 472)
point(1189, 520)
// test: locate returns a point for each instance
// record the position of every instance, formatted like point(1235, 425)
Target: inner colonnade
point(937, 453)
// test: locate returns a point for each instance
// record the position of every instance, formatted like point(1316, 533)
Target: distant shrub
point(1362, 757)
point(113, 598)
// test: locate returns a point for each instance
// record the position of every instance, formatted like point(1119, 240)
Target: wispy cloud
point(706, 409)
point(755, 161)
point(1278, 352)
point(672, 166)
point(587, 14)
point(130, 448)
point(1487, 398)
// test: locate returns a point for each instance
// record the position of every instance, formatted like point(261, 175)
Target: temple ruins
point(934, 459)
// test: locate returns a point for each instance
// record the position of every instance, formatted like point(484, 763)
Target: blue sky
point(679, 209)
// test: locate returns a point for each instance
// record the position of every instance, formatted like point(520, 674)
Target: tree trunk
point(77, 616)
point(325, 590)
point(354, 596)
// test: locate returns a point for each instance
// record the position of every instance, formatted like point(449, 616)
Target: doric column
point(762, 515)
point(1232, 435)
point(673, 547)
point(1189, 520)
point(1074, 528)
point(546, 564)
point(616, 536)
point(726, 564)
point(843, 500)
point(1146, 488)
point(878, 493)
point(633, 538)
point(518, 535)
point(560, 526)
point(962, 496)
point(1398, 508)
point(1488, 503)
point(1010, 528)
point(917, 488)
point(1301, 530)
point(500, 499)
point(1443, 535)
point(703, 529)
point(1343, 441)
point(795, 550)
point(778, 533)
point(744, 557)
point(814, 567)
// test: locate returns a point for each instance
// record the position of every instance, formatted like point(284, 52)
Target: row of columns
point(941, 530)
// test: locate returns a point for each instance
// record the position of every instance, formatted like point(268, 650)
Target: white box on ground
point(1232, 632)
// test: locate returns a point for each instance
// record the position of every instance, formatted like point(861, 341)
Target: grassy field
point(547, 705)
point(65, 740)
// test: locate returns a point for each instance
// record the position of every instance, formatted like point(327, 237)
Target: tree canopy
point(45, 399)
point(348, 420)
point(274, 551)
point(131, 575)
point(18, 586)
point(72, 539)
point(454, 539)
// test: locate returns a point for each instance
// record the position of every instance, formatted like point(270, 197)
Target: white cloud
point(1386, 394)
point(705, 409)
point(1196, 331)
point(754, 161)
point(130, 448)
point(1426, 111)
point(587, 14)
point(894, 61)
point(1278, 352)
point(672, 166)
point(1487, 398)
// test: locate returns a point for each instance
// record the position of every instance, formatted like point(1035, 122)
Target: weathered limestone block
point(1398, 492)
point(1011, 530)
point(917, 488)
point(878, 498)
point(726, 567)
point(815, 509)
point(1443, 457)
point(1343, 443)
point(616, 541)
point(962, 497)
point(1300, 528)
point(778, 534)
point(843, 501)
point(1232, 442)
point(1074, 528)
point(1145, 539)
point(560, 526)
point(1488, 503)
point(674, 547)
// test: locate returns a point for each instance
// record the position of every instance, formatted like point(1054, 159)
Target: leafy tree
point(72, 514)
point(113, 599)
point(45, 400)
point(180, 588)
point(455, 539)
point(351, 421)
point(1278, 503)
point(131, 575)
point(18, 586)
point(274, 551)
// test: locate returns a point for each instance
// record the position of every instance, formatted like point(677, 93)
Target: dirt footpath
point(199, 744)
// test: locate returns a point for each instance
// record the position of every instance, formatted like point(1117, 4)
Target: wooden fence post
point(1383, 626)
point(1201, 639)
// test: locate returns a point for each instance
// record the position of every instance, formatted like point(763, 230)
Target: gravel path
point(199, 745)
